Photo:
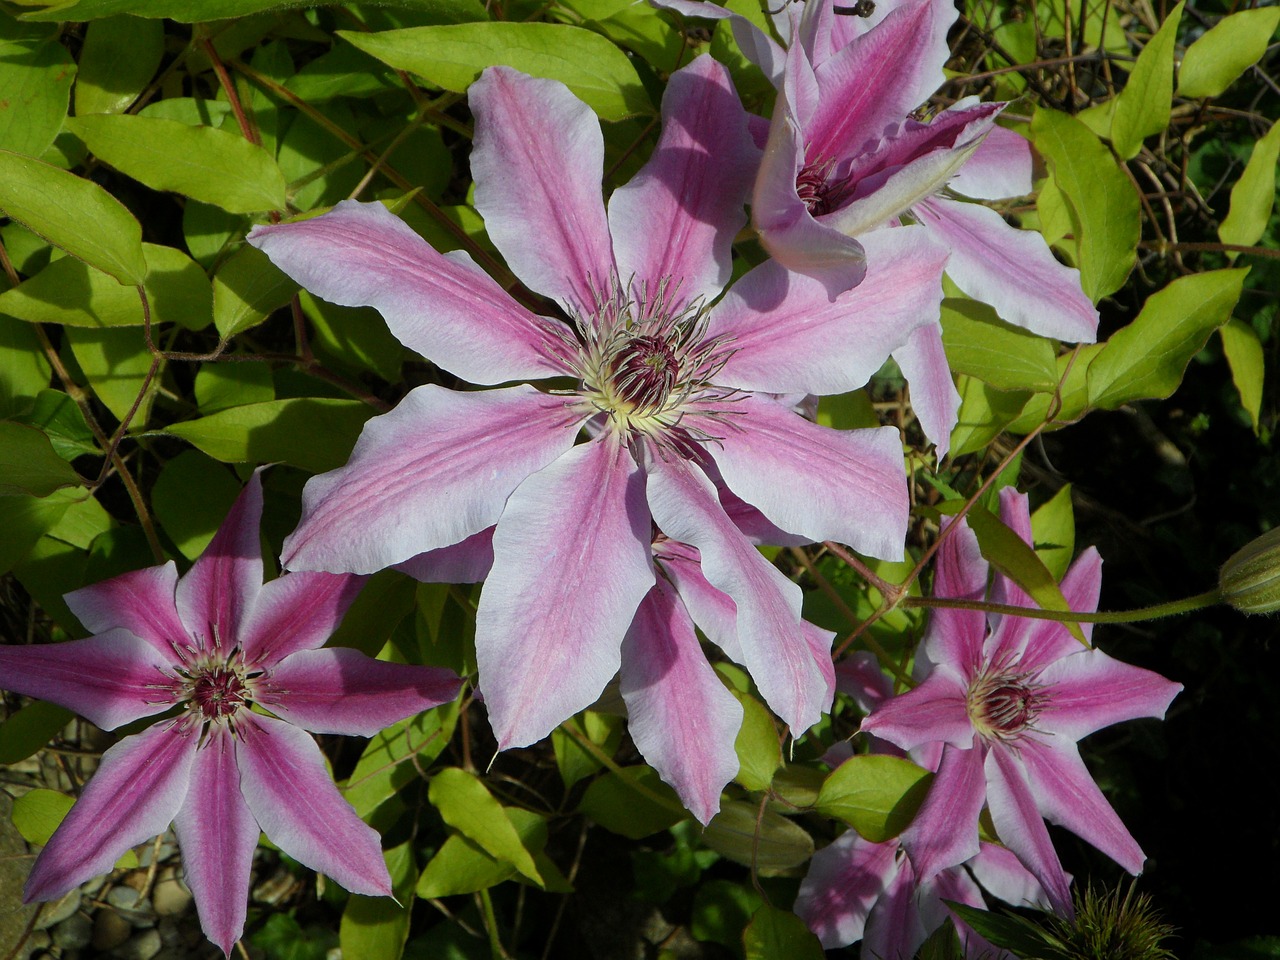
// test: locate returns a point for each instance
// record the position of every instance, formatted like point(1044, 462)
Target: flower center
point(1003, 705)
point(218, 693)
point(644, 373)
point(820, 193)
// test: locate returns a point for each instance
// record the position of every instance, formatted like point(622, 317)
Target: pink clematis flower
point(846, 157)
point(859, 890)
point(1008, 698)
point(676, 399)
point(212, 644)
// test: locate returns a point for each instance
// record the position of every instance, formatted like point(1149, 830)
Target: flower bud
point(1250, 579)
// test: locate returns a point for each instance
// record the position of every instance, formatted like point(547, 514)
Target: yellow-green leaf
point(28, 463)
point(876, 794)
point(1244, 355)
point(1235, 43)
point(1142, 107)
point(467, 805)
point(1254, 194)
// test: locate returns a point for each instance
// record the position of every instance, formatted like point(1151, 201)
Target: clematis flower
point(212, 644)
point(845, 157)
point(674, 395)
point(859, 890)
point(1008, 698)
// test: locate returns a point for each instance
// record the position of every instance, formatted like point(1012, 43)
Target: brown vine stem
point(1189, 247)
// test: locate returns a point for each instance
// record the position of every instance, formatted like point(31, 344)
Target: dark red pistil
point(218, 692)
point(816, 189)
point(645, 372)
point(1009, 708)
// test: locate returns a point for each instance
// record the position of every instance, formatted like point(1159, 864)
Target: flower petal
point(823, 484)
point(538, 162)
point(213, 597)
point(934, 710)
point(338, 690)
point(934, 396)
point(1065, 793)
point(433, 471)
point(1001, 873)
point(1047, 640)
point(288, 790)
point(111, 678)
point(443, 306)
point(139, 786)
point(859, 675)
point(1090, 690)
point(773, 643)
point(955, 637)
point(217, 835)
point(571, 564)
point(677, 218)
point(1011, 269)
point(896, 928)
point(1001, 167)
point(712, 610)
point(141, 601)
point(945, 830)
point(756, 45)
point(789, 336)
point(297, 611)
point(682, 719)
point(1016, 815)
point(844, 882)
point(467, 561)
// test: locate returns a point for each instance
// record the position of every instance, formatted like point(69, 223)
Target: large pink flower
point(1008, 698)
point(212, 643)
point(845, 157)
point(674, 397)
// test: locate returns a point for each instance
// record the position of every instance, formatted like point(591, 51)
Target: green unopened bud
point(1250, 579)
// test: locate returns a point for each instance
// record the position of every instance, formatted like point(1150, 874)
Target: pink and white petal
point(677, 218)
point(934, 396)
point(878, 79)
point(944, 832)
point(789, 336)
point(682, 718)
point(111, 679)
point(1017, 819)
point(435, 470)
point(844, 883)
point(934, 710)
point(289, 792)
point(712, 610)
point(755, 526)
point(955, 637)
point(960, 570)
point(296, 611)
point(756, 45)
point(860, 676)
point(1001, 167)
point(213, 597)
point(773, 642)
point(1065, 793)
point(217, 835)
point(1011, 269)
point(819, 483)
point(1015, 513)
point(339, 690)
point(135, 794)
point(896, 928)
point(467, 561)
point(538, 162)
point(443, 306)
point(570, 567)
point(819, 641)
point(1048, 641)
point(956, 886)
point(141, 601)
point(1090, 690)
point(1003, 875)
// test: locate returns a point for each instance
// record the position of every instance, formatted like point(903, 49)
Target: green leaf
point(29, 464)
point(393, 758)
point(1145, 360)
point(313, 433)
point(466, 804)
point(757, 745)
point(376, 928)
point(386, 599)
point(1105, 210)
point(721, 911)
point(1015, 558)
point(452, 57)
point(573, 760)
point(84, 521)
point(1243, 350)
point(24, 370)
point(1013, 933)
point(1222, 54)
point(24, 521)
point(633, 802)
point(37, 813)
point(771, 843)
point(979, 345)
point(246, 289)
point(74, 214)
point(1053, 527)
point(190, 499)
point(119, 57)
point(876, 794)
point(35, 82)
point(115, 363)
point(984, 414)
point(774, 934)
point(62, 421)
point(462, 866)
point(220, 386)
point(28, 730)
point(1254, 194)
point(184, 11)
point(74, 294)
point(1142, 107)
point(204, 163)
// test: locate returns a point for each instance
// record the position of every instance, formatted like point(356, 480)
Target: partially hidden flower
point(1008, 698)
point(674, 399)
point(846, 156)
point(212, 645)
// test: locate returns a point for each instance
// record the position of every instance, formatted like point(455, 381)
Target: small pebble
point(110, 930)
point(73, 933)
point(170, 896)
point(142, 947)
point(122, 897)
point(54, 913)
